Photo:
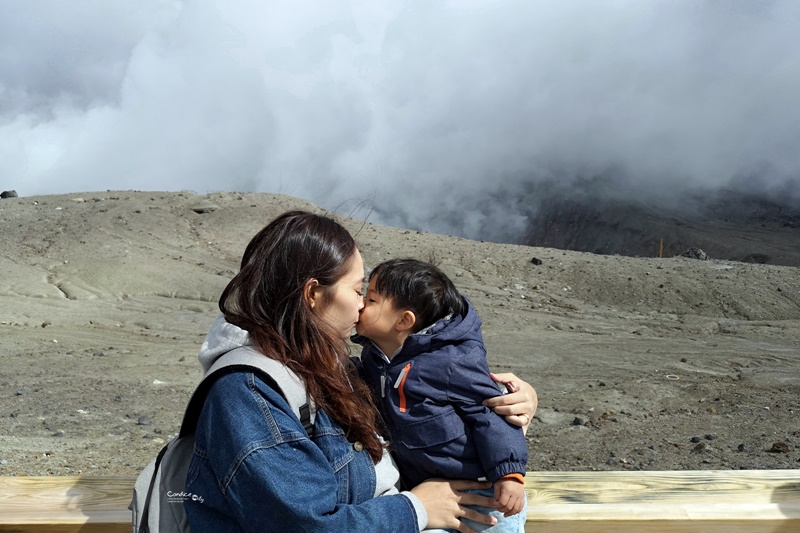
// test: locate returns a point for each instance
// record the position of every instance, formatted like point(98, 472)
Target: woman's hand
point(444, 503)
point(519, 405)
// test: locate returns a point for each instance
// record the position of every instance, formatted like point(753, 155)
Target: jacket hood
point(222, 338)
point(447, 331)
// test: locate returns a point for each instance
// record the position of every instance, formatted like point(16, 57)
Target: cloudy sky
point(436, 114)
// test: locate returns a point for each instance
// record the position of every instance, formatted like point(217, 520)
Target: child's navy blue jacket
point(430, 397)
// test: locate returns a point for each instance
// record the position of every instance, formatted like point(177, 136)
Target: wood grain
point(65, 504)
point(662, 502)
point(751, 501)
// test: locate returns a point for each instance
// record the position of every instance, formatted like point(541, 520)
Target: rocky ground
point(640, 363)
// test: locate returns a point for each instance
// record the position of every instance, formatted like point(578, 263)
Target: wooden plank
point(558, 502)
point(677, 501)
point(662, 526)
point(65, 504)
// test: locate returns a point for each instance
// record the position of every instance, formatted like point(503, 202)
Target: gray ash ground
point(640, 363)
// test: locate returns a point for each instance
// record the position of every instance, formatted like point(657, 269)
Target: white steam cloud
point(442, 115)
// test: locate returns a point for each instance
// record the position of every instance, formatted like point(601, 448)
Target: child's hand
point(510, 496)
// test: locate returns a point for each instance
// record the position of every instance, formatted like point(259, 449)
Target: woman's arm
point(254, 462)
point(519, 405)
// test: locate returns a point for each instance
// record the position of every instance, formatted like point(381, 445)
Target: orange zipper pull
point(401, 380)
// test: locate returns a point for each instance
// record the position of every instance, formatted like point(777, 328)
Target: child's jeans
point(512, 524)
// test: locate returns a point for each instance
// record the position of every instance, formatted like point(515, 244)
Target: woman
point(296, 300)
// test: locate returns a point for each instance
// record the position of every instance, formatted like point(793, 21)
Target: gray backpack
point(159, 491)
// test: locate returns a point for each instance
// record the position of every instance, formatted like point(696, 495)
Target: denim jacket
point(255, 468)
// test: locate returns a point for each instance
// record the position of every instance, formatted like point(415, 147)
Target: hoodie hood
point(446, 332)
point(222, 338)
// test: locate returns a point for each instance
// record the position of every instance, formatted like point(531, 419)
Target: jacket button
point(357, 446)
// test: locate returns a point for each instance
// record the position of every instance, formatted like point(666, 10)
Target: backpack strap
point(244, 359)
point(144, 522)
point(273, 373)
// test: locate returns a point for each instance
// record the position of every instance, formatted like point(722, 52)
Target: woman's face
point(345, 299)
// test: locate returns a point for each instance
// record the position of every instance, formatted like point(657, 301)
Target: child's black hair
point(420, 287)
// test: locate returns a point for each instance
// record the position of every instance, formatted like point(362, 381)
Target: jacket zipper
point(401, 381)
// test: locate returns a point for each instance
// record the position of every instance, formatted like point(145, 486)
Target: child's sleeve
point(501, 446)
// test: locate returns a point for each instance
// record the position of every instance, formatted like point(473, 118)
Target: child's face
point(379, 317)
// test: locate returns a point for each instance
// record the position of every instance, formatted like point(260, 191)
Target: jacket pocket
point(332, 442)
point(334, 445)
point(433, 431)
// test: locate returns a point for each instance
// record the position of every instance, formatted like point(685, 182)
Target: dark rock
point(578, 421)
point(536, 261)
point(695, 253)
point(702, 447)
point(780, 447)
point(8, 194)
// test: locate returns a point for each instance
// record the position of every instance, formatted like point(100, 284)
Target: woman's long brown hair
point(266, 299)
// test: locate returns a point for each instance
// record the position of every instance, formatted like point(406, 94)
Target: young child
point(424, 358)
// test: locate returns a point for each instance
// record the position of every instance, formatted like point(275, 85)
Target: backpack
point(159, 491)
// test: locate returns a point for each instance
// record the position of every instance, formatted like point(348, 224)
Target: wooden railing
point(744, 501)
point(739, 501)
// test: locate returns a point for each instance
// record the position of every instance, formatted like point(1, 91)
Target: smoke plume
point(450, 116)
